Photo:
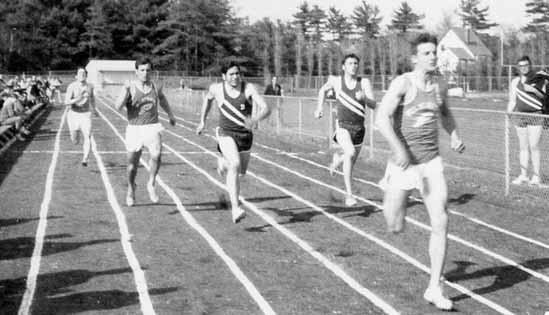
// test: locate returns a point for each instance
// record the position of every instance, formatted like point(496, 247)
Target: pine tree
point(96, 40)
point(538, 10)
point(473, 16)
point(337, 24)
point(366, 19)
point(404, 18)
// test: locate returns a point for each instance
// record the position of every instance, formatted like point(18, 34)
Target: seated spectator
point(13, 114)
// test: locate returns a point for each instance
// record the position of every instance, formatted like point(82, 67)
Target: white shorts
point(414, 176)
point(139, 136)
point(79, 121)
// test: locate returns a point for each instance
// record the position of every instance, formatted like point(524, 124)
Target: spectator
point(525, 98)
point(13, 114)
point(274, 88)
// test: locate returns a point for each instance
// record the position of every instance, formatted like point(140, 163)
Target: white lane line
point(125, 237)
point(452, 211)
point(32, 276)
point(354, 229)
point(233, 267)
point(100, 152)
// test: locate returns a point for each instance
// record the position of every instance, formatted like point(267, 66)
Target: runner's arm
point(123, 97)
point(69, 100)
point(383, 119)
point(322, 96)
point(163, 102)
point(368, 93)
point(206, 105)
point(449, 123)
point(264, 109)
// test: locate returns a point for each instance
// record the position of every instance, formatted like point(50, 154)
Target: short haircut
point(228, 65)
point(423, 38)
point(525, 58)
point(82, 69)
point(142, 61)
point(351, 55)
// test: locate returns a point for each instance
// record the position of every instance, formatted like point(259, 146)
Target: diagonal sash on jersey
point(350, 103)
point(239, 119)
point(528, 99)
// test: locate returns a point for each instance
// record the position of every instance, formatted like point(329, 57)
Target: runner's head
point(143, 69)
point(81, 75)
point(424, 52)
point(231, 73)
point(349, 64)
point(524, 64)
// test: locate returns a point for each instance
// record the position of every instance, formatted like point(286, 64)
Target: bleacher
point(8, 133)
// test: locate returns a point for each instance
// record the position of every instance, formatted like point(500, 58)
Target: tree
point(404, 18)
point(97, 39)
point(337, 24)
point(317, 21)
point(473, 16)
point(301, 18)
point(538, 10)
point(366, 19)
point(445, 24)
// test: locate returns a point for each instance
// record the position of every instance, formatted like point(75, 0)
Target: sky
point(508, 13)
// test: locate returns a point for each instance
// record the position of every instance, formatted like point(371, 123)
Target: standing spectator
point(525, 98)
point(274, 88)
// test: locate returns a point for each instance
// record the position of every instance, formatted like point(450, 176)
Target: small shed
point(110, 72)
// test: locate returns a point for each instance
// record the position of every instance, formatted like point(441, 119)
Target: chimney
point(467, 34)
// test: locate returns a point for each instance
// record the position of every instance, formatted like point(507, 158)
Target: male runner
point(408, 119)
point(142, 98)
point(234, 99)
point(353, 94)
point(81, 100)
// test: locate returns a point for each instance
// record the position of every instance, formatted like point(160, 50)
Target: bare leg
point(349, 158)
point(435, 197)
point(133, 162)
point(522, 134)
point(394, 207)
point(229, 150)
point(534, 135)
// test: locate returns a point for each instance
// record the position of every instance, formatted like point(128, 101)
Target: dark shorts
point(243, 139)
point(355, 131)
point(523, 121)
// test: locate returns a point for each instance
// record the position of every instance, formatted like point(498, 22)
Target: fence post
point(330, 124)
point(371, 133)
point(300, 118)
point(278, 115)
point(507, 157)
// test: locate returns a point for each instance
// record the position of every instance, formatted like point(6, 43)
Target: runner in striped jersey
point(235, 99)
point(525, 98)
point(353, 94)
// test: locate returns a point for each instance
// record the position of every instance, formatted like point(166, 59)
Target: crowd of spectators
point(20, 96)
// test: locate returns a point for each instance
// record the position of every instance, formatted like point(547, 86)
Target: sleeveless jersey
point(84, 91)
point(142, 107)
point(416, 122)
point(349, 107)
point(527, 102)
point(233, 111)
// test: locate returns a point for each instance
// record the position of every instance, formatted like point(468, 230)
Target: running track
point(70, 245)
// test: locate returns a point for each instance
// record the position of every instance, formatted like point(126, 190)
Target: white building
point(460, 47)
point(102, 72)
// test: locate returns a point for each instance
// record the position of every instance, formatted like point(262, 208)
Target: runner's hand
point(457, 145)
point(200, 128)
point(318, 113)
point(402, 159)
point(250, 123)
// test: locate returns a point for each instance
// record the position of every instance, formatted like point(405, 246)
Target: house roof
point(111, 65)
point(460, 53)
point(474, 43)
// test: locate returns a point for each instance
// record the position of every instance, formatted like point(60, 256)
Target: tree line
point(196, 36)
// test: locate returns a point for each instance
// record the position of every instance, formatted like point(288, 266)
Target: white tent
point(102, 72)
